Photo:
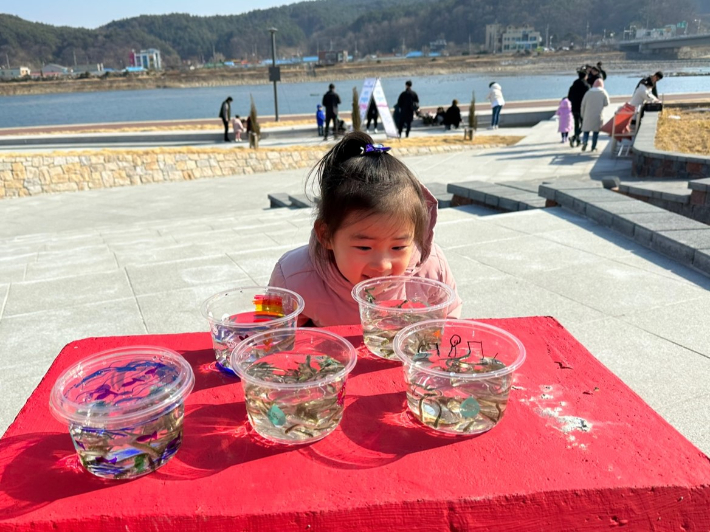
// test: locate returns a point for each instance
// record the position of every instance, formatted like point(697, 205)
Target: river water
point(296, 98)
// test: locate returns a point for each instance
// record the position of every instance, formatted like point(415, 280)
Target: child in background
point(373, 219)
point(320, 119)
point(564, 113)
point(238, 128)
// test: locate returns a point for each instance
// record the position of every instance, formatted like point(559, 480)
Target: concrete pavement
point(139, 260)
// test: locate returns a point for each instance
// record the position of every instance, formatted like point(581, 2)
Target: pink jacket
point(327, 296)
point(565, 113)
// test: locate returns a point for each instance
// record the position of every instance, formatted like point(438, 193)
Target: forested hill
point(368, 26)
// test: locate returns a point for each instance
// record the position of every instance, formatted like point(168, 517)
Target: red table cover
point(576, 450)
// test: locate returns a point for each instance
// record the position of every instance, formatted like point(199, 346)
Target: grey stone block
point(701, 260)
point(278, 200)
point(681, 245)
point(599, 215)
point(491, 199)
point(663, 221)
point(643, 236)
point(508, 204)
point(547, 191)
point(595, 195)
point(634, 206)
point(301, 201)
point(682, 197)
point(477, 196)
point(623, 226)
point(611, 182)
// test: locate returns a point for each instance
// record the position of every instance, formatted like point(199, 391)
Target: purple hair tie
point(373, 148)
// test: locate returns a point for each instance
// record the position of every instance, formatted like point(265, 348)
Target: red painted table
point(576, 450)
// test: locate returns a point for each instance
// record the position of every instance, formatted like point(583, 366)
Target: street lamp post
point(274, 74)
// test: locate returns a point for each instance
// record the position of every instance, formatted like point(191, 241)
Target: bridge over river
point(669, 46)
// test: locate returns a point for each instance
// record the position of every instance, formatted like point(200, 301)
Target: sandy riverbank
point(544, 64)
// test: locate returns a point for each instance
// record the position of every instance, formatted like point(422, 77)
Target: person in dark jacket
point(651, 81)
point(575, 95)
point(452, 117)
point(331, 101)
point(225, 112)
point(372, 114)
point(601, 70)
point(408, 103)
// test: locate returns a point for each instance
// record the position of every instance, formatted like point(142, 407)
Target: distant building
point(438, 45)
point(12, 73)
point(520, 38)
point(94, 69)
point(148, 59)
point(414, 53)
point(329, 57)
point(54, 70)
point(656, 33)
point(494, 33)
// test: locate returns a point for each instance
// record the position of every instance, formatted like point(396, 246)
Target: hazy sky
point(95, 13)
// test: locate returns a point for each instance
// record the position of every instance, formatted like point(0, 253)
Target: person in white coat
point(495, 96)
point(593, 104)
point(643, 94)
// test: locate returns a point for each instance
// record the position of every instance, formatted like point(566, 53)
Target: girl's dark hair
point(349, 181)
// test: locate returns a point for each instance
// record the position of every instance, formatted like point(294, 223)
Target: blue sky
point(95, 13)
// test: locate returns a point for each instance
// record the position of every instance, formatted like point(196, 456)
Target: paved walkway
point(139, 260)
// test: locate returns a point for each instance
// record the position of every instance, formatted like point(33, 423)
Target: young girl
point(238, 128)
point(564, 112)
point(373, 219)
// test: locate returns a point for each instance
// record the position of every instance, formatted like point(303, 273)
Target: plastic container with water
point(238, 313)
point(124, 408)
point(388, 304)
point(458, 373)
point(294, 382)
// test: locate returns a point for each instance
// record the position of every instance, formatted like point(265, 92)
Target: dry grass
point(684, 131)
point(488, 141)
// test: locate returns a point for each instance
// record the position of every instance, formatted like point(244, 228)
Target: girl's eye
point(400, 248)
point(362, 248)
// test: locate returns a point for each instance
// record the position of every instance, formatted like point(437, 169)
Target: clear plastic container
point(458, 373)
point(388, 304)
point(238, 313)
point(124, 408)
point(294, 382)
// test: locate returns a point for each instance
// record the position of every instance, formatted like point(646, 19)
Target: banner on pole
point(372, 88)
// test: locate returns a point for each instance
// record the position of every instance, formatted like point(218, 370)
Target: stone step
point(498, 196)
point(442, 195)
point(678, 237)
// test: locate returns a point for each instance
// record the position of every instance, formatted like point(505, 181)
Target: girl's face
point(375, 246)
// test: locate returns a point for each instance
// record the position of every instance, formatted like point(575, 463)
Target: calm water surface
point(294, 98)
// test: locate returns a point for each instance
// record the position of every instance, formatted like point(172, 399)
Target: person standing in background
point(320, 119)
point(575, 95)
point(225, 112)
point(495, 96)
point(372, 114)
point(238, 128)
point(408, 103)
point(593, 104)
point(331, 100)
point(651, 81)
point(564, 115)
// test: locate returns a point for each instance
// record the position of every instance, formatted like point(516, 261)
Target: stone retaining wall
point(30, 175)
point(651, 162)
